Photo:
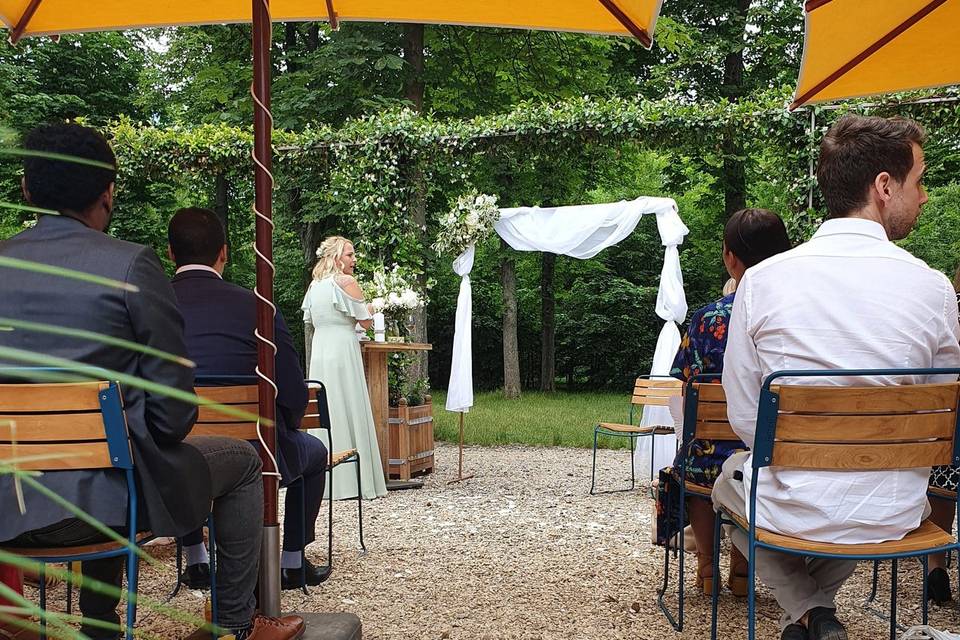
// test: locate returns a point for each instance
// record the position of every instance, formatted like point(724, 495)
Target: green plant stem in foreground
point(559, 419)
point(95, 585)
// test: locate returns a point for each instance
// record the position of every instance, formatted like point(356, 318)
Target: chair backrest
point(857, 428)
point(64, 426)
point(705, 413)
point(317, 415)
point(655, 391)
point(211, 421)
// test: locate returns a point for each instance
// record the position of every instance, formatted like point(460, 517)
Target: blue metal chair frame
point(600, 431)
point(876, 566)
point(118, 444)
point(323, 411)
point(691, 405)
point(762, 455)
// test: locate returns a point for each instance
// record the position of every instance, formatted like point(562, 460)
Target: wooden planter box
point(411, 439)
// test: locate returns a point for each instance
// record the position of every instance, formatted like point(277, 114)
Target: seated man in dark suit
point(177, 480)
point(219, 319)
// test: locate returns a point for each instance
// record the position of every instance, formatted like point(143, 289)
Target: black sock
point(241, 634)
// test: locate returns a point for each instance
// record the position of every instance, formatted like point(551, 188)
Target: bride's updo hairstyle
point(330, 252)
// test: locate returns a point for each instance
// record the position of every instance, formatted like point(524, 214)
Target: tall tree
point(548, 320)
point(96, 76)
point(511, 349)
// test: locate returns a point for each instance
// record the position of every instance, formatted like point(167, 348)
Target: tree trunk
point(413, 54)
point(511, 348)
point(413, 92)
point(734, 174)
point(548, 353)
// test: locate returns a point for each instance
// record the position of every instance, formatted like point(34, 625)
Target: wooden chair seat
point(632, 428)
point(341, 456)
point(698, 489)
point(942, 493)
point(926, 536)
point(62, 552)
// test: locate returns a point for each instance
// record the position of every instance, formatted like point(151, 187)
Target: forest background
point(381, 127)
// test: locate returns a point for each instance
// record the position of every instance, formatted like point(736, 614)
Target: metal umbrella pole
point(266, 348)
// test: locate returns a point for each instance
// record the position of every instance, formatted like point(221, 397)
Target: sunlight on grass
point(559, 419)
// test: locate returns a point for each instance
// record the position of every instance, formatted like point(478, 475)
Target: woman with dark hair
point(749, 237)
point(942, 513)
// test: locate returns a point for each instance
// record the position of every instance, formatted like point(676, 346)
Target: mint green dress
point(335, 361)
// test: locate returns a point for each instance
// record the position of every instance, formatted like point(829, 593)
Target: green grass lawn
point(556, 419)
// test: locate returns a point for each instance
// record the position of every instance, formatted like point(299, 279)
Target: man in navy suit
point(219, 323)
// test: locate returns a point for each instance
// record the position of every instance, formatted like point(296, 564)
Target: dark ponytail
point(753, 235)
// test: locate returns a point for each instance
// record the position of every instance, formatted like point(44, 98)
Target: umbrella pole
point(460, 477)
point(263, 201)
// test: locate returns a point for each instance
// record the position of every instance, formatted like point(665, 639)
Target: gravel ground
point(521, 551)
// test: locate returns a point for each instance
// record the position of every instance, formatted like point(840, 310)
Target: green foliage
point(95, 76)
point(936, 237)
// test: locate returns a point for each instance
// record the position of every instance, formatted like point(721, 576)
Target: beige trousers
point(798, 583)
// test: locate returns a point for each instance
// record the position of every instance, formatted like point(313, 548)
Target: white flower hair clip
point(319, 252)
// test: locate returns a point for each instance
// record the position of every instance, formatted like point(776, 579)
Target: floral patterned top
point(701, 351)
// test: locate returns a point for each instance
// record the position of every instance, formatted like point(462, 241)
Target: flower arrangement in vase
point(392, 294)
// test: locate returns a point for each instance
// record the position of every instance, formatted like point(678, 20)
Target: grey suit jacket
point(173, 479)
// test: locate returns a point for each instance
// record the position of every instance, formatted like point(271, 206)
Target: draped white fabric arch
point(583, 232)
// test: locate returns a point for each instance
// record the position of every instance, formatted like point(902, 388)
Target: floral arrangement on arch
point(469, 221)
point(391, 292)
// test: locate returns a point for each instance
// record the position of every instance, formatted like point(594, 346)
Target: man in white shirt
point(849, 298)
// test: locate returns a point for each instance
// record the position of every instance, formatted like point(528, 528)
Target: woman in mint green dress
point(333, 305)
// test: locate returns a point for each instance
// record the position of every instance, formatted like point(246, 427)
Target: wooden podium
point(375, 370)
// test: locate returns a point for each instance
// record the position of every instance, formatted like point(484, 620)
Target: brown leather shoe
point(10, 631)
point(282, 628)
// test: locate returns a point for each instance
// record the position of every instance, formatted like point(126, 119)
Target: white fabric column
point(672, 308)
point(460, 390)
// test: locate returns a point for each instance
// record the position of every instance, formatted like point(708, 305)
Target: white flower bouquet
point(391, 293)
point(470, 221)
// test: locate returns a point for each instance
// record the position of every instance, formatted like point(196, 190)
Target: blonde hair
point(729, 286)
point(330, 252)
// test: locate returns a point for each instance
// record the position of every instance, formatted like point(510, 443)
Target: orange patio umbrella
point(865, 47)
point(635, 18)
point(611, 17)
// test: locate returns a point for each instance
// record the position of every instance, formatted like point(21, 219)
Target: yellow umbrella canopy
point(611, 17)
point(865, 47)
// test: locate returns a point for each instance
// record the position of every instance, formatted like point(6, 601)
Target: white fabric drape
point(460, 391)
point(580, 232)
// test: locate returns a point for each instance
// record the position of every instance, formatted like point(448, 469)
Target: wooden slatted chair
point(647, 391)
point(704, 418)
point(932, 492)
point(212, 421)
point(67, 427)
point(839, 428)
point(318, 417)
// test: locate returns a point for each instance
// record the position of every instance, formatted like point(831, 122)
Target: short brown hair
point(858, 148)
point(196, 236)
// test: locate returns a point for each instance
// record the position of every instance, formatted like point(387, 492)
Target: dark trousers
point(237, 489)
point(302, 503)
point(71, 533)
